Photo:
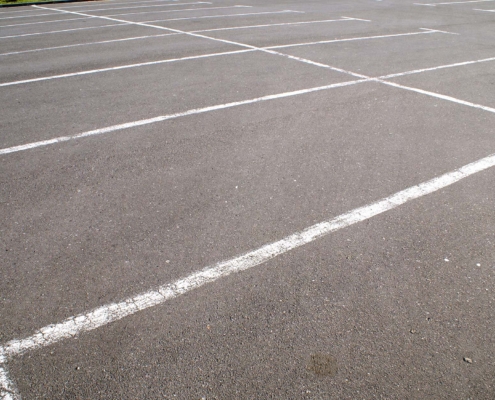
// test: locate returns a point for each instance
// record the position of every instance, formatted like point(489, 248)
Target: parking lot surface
point(247, 200)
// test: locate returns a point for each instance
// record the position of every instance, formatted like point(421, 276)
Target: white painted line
point(439, 31)
point(479, 9)
point(87, 44)
point(438, 96)
point(270, 25)
point(224, 16)
point(121, 67)
point(44, 22)
point(114, 15)
point(23, 9)
point(167, 34)
point(348, 39)
point(159, 20)
point(101, 316)
point(8, 391)
point(171, 11)
point(27, 16)
point(62, 31)
point(418, 71)
point(104, 9)
point(127, 66)
point(357, 19)
point(268, 50)
point(450, 3)
point(154, 5)
point(97, 4)
point(194, 111)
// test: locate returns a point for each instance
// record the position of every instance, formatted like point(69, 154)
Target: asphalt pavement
point(256, 200)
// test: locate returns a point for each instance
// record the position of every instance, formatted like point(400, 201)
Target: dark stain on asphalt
point(322, 364)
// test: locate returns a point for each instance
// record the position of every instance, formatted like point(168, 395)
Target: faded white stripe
point(71, 6)
point(451, 2)
point(171, 11)
point(87, 44)
point(45, 22)
point(120, 67)
point(161, 118)
point(62, 31)
point(270, 25)
point(154, 5)
point(106, 314)
point(418, 71)
point(158, 20)
point(349, 39)
point(8, 391)
point(168, 34)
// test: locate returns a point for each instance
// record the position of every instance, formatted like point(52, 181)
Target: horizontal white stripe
point(109, 313)
point(27, 16)
point(478, 9)
point(348, 40)
point(99, 9)
point(87, 44)
point(168, 34)
point(45, 22)
point(224, 16)
point(62, 31)
point(154, 5)
point(120, 67)
point(172, 11)
point(161, 118)
point(439, 96)
point(418, 71)
point(158, 20)
point(270, 25)
point(113, 3)
point(93, 71)
point(450, 3)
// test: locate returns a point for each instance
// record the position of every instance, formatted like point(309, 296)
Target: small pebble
point(468, 360)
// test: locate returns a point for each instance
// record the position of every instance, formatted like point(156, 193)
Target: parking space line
point(8, 391)
point(101, 316)
point(62, 31)
point(279, 24)
point(173, 11)
point(127, 66)
point(194, 111)
point(418, 71)
point(479, 9)
point(159, 20)
point(114, 15)
point(157, 5)
point(96, 4)
point(270, 51)
point(87, 44)
point(136, 65)
point(154, 5)
point(363, 78)
point(283, 46)
point(168, 34)
point(27, 16)
point(45, 22)
point(226, 15)
point(451, 3)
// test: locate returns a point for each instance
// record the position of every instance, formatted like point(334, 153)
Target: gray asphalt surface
point(400, 306)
